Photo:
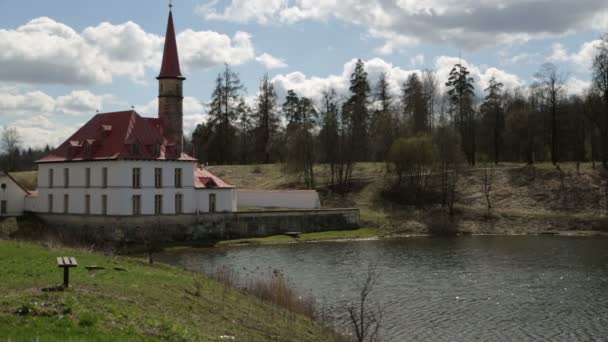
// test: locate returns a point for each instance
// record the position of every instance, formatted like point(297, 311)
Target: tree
point(329, 136)
point(551, 81)
point(11, 143)
point(413, 158)
point(220, 128)
point(302, 117)
point(600, 84)
point(492, 107)
point(356, 111)
point(414, 104)
point(429, 90)
point(266, 119)
point(365, 320)
point(487, 183)
point(382, 126)
point(449, 156)
point(461, 93)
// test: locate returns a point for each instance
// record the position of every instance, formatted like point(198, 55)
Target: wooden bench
point(66, 263)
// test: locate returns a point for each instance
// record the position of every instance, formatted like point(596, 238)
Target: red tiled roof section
point(203, 179)
point(170, 66)
point(117, 135)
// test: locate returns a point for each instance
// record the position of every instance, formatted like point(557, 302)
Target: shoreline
point(277, 240)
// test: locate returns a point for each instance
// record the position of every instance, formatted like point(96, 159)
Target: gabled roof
point(203, 179)
point(4, 173)
point(117, 135)
point(170, 65)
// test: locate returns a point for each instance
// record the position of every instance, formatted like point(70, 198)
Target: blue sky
point(62, 60)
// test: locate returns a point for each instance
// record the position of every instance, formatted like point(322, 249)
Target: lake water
point(446, 289)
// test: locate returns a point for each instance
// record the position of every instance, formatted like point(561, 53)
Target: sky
point(61, 61)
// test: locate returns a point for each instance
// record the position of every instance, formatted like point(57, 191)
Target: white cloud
point(42, 130)
point(32, 103)
point(204, 49)
point(417, 60)
point(313, 86)
point(46, 51)
point(583, 58)
point(271, 62)
point(402, 23)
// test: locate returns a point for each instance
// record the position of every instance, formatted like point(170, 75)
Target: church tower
point(170, 90)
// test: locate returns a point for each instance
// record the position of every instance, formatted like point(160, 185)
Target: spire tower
point(170, 91)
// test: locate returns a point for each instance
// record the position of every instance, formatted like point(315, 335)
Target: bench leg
point(66, 277)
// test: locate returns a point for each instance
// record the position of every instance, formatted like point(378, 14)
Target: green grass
point(363, 233)
point(147, 302)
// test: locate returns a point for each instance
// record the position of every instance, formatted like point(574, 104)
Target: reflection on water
point(458, 289)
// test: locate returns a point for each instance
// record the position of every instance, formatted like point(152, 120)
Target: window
point(178, 178)
point(158, 177)
point(156, 150)
point(136, 177)
point(87, 177)
point(66, 177)
point(158, 204)
point(51, 176)
point(104, 177)
point(136, 205)
point(179, 203)
point(50, 204)
point(66, 203)
point(104, 204)
point(3, 207)
point(136, 149)
point(87, 204)
point(87, 151)
point(211, 203)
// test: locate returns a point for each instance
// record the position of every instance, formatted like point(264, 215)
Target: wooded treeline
point(539, 123)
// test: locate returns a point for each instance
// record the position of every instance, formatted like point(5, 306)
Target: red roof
point(203, 179)
point(117, 135)
point(170, 66)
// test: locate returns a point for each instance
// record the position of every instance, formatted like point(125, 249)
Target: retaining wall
point(200, 228)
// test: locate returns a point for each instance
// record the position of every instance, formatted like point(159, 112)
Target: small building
point(12, 196)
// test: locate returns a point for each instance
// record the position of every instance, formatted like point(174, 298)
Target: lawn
point(145, 302)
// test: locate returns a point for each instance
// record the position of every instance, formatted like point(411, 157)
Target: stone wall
point(195, 229)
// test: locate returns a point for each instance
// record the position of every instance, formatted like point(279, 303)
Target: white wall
point(278, 199)
point(119, 189)
point(225, 199)
point(14, 196)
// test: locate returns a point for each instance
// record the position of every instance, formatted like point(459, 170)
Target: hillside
point(524, 199)
point(131, 300)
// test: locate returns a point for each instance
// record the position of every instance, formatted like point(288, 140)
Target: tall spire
point(170, 66)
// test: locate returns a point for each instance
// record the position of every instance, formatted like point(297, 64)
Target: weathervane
point(170, 4)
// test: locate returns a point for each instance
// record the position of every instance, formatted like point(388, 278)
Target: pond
point(492, 288)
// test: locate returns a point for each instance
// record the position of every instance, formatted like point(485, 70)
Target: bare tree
point(600, 84)
point(488, 180)
point(365, 320)
point(552, 82)
point(11, 143)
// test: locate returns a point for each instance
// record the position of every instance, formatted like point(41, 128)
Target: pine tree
point(414, 104)
point(492, 108)
point(266, 119)
point(461, 94)
point(355, 109)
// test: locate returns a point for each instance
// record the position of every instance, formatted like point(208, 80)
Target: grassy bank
point(138, 302)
